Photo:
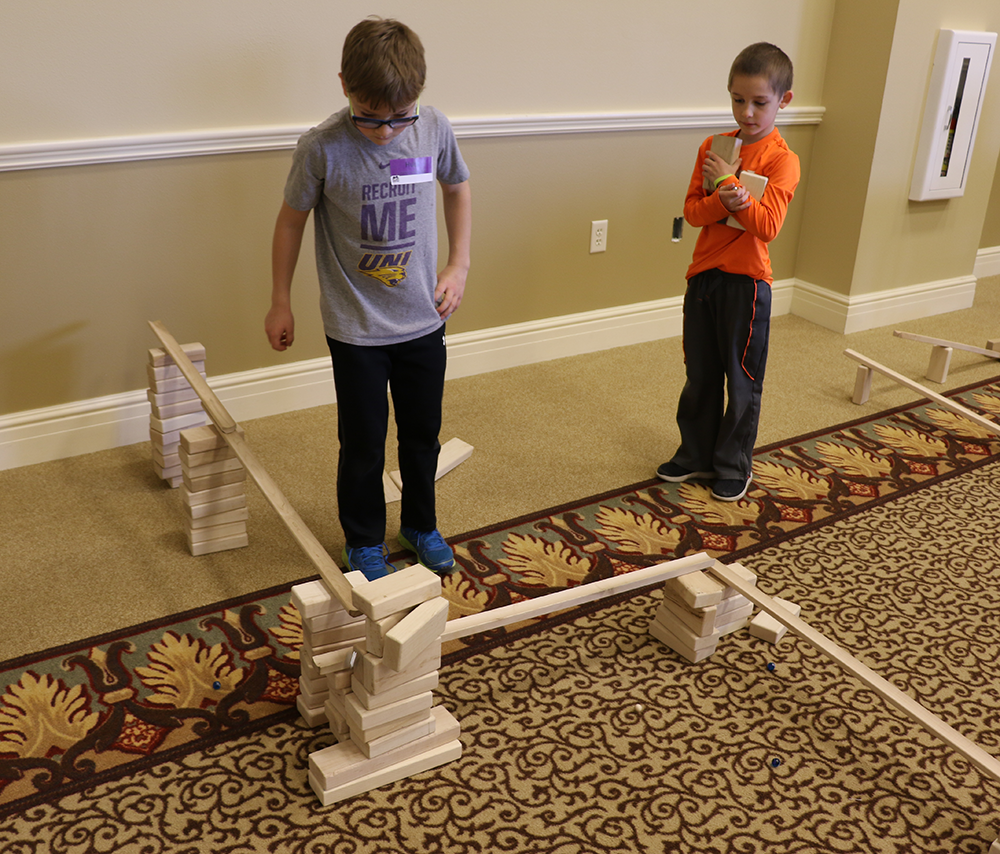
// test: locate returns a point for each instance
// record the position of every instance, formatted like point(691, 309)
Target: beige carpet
point(94, 543)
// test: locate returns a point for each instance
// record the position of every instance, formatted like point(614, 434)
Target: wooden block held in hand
point(728, 148)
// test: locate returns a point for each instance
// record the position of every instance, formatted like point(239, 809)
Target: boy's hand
point(280, 327)
point(450, 290)
point(735, 198)
point(714, 167)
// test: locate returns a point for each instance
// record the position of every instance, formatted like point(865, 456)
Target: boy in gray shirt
point(368, 174)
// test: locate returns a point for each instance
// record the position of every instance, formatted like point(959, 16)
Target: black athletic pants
point(414, 371)
point(727, 321)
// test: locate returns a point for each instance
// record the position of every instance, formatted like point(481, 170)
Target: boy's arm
point(288, 230)
point(450, 289)
point(764, 219)
point(702, 208)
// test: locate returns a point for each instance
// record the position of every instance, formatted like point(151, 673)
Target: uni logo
point(389, 269)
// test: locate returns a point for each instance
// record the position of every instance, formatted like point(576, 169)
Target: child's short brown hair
point(764, 60)
point(383, 63)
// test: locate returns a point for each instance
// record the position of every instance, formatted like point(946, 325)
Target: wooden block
point(339, 681)
point(432, 758)
point(663, 635)
point(165, 460)
point(993, 344)
point(427, 682)
point(214, 508)
point(200, 439)
point(178, 422)
point(699, 620)
point(937, 368)
point(313, 698)
point(213, 456)
point(862, 385)
point(406, 641)
point(194, 351)
point(728, 605)
point(168, 372)
point(167, 473)
point(728, 148)
point(391, 489)
point(361, 718)
point(206, 469)
point(194, 499)
point(406, 735)
point(212, 481)
point(694, 589)
point(335, 661)
point(330, 620)
point(337, 721)
point(366, 736)
point(168, 398)
point(170, 384)
point(396, 592)
point(745, 575)
point(313, 685)
point(239, 514)
point(377, 676)
point(767, 628)
point(687, 638)
point(375, 632)
point(728, 621)
point(333, 639)
point(220, 545)
point(173, 410)
point(165, 440)
point(312, 717)
point(995, 847)
point(215, 532)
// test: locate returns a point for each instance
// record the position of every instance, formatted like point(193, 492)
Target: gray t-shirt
point(375, 216)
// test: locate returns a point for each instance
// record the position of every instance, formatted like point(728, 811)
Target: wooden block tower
point(213, 491)
point(378, 698)
point(174, 406)
point(697, 611)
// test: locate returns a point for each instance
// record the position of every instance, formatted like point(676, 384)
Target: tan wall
point(990, 236)
point(861, 234)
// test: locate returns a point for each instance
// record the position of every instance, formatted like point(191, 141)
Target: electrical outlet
point(598, 235)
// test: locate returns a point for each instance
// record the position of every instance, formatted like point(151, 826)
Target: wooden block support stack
point(697, 610)
point(329, 633)
point(380, 692)
point(174, 407)
point(213, 492)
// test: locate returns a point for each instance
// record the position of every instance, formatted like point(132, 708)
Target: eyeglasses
point(375, 124)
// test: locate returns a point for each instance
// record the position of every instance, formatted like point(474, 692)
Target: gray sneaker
point(674, 473)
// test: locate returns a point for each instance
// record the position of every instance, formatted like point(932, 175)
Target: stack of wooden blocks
point(379, 699)
point(214, 491)
point(697, 611)
point(175, 406)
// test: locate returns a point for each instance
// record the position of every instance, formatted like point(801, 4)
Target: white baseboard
point(843, 314)
point(123, 419)
point(987, 262)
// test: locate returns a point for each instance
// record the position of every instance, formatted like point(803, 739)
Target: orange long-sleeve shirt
point(730, 249)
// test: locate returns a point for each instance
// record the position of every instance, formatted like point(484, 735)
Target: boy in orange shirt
point(727, 305)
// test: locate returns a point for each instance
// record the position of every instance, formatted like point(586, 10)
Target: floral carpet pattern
point(186, 691)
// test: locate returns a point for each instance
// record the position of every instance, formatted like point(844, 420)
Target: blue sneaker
point(369, 559)
point(430, 548)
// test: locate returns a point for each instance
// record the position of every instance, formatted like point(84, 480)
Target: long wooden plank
point(327, 568)
point(571, 596)
point(938, 342)
point(941, 400)
point(213, 406)
point(886, 690)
